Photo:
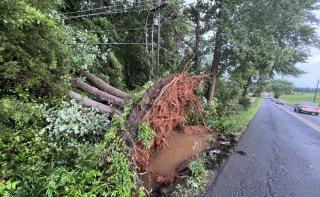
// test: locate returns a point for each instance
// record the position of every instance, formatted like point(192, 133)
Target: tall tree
point(268, 36)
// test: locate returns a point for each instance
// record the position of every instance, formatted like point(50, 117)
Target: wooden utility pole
point(158, 23)
point(315, 94)
point(197, 32)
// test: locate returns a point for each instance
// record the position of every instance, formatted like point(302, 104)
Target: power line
point(110, 30)
point(108, 12)
point(106, 7)
point(123, 43)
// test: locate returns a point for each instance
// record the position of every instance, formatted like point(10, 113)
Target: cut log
point(98, 93)
point(102, 108)
point(102, 85)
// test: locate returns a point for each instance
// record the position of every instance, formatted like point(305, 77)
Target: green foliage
point(6, 187)
point(232, 122)
point(227, 95)
point(82, 44)
point(279, 87)
point(245, 102)
point(115, 71)
point(62, 182)
point(211, 118)
point(32, 54)
point(145, 134)
point(73, 121)
point(120, 177)
point(197, 180)
point(238, 122)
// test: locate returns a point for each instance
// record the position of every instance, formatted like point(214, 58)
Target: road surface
point(282, 157)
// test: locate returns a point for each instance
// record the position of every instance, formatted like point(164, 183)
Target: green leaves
point(198, 176)
point(6, 187)
point(280, 87)
point(32, 51)
point(73, 121)
point(145, 134)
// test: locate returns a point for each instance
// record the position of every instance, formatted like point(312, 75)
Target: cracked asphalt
point(282, 158)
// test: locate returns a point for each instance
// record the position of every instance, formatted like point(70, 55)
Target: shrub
point(72, 120)
point(238, 122)
point(245, 102)
point(197, 180)
point(145, 134)
point(32, 54)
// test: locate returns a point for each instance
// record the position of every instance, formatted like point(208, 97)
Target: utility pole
point(315, 94)
point(158, 23)
point(197, 33)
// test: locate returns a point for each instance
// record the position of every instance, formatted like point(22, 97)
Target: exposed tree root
point(164, 107)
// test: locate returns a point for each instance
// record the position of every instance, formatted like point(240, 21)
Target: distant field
point(298, 97)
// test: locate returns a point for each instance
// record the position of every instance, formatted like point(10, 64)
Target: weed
point(198, 176)
point(145, 133)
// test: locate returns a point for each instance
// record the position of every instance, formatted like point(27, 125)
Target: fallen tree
point(102, 108)
point(102, 85)
point(110, 99)
point(103, 96)
point(163, 108)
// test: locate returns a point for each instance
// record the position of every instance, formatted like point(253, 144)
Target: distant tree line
point(299, 89)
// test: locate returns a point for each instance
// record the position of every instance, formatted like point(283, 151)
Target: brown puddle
point(181, 146)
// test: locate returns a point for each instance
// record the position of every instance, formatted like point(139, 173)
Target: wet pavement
point(282, 157)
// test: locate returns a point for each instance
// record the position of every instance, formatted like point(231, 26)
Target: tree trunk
point(246, 87)
point(102, 85)
point(216, 55)
point(215, 64)
point(102, 108)
point(98, 93)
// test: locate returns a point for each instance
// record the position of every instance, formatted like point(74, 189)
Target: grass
point(238, 122)
point(298, 97)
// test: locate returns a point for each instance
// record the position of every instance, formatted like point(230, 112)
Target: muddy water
point(181, 146)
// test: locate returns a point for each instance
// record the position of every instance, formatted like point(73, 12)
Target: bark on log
point(98, 93)
point(102, 108)
point(102, 85)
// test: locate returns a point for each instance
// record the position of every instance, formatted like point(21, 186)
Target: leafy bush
point(6, 187)
point(83, 46)
point(32, 54)
point(211, 117)
point(145, 134)
point(197, 180)
point(115, 71)
point(72, 120)
point(227, 96)
point(238, 122)
point(62, 182)
point(245, 102)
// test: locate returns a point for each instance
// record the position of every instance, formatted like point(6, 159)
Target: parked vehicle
point(280, 102)
point(307, 107)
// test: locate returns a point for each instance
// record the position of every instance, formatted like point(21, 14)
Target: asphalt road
point(282, 157)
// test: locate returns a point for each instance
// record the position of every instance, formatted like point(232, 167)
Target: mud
point(166, 162)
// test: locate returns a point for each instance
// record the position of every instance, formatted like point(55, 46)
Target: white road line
point(310, 124)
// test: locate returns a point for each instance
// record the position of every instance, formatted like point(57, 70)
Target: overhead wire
point(111, 30)
point(105, 7)
point(118, 11)
point(106, 11)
